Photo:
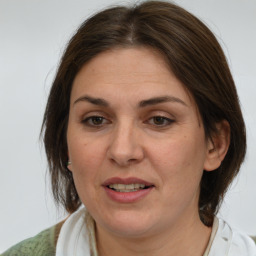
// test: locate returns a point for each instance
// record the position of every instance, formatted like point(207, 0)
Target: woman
point(142, 127)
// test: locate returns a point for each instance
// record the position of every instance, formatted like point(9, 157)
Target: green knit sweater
point(43, 244)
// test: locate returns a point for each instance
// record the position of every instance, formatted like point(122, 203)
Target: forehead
point(151, 59)
point(127, 71)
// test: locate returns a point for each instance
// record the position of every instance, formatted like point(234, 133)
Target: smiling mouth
point(124, 188)
point(127, 190)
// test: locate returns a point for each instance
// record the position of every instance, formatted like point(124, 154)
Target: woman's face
point(136, 143)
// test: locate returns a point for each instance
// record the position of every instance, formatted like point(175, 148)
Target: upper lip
point(126, 181)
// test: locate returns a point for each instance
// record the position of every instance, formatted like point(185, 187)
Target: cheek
point(179, 161)
point(84, 151)
point(86, 157)
point(87, 160)
point(180, 166)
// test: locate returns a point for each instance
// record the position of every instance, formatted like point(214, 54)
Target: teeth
point(137, 186)
point(127, 187)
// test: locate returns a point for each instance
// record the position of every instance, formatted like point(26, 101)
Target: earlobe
point(69, 165)
point(218, 146)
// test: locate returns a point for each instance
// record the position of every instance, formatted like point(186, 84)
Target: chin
point(128, 224)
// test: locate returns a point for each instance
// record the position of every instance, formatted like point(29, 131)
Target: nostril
point(123, 161)
point(132, 160)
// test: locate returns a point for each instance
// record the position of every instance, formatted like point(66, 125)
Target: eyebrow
point(162, 99)
point(95, 101)
point(143, 103)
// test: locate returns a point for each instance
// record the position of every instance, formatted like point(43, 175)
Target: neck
point(190, 238)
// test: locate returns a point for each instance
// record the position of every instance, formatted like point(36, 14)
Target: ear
point(69, 163)
point(217, 146)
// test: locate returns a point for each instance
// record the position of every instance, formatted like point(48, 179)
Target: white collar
point(228, 241)
point(214, 231)
point(73, 238)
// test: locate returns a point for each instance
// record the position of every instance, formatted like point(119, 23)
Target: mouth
point(127, 190)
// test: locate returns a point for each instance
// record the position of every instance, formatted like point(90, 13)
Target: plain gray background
point(33, 34)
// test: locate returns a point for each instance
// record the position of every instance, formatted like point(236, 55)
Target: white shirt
point(73, 238)
point(225, 241)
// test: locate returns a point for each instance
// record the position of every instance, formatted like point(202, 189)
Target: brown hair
point(196, 58)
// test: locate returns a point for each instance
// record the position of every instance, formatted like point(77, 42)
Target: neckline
point(215, 227)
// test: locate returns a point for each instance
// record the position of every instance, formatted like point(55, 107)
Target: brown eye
point(160, 121)
point(95, 121)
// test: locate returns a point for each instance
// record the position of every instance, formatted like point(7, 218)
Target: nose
point(125, 148)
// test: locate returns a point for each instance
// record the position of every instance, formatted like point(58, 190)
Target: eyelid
point(165, 119)
point(86, 120)
point(161, 113)
point(93, 113)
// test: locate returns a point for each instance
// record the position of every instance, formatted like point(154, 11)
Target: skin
point(127, 140)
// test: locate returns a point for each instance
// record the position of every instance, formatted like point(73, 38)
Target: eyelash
point(167, 121)
point(89, 121)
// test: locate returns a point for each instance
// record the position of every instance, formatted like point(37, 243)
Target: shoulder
point(42, 244)
point(243, 244)
point(232, 241)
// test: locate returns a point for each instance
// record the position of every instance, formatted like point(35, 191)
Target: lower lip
point(127, 197)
